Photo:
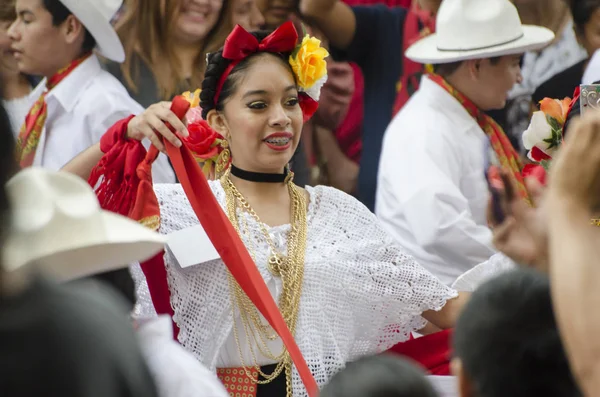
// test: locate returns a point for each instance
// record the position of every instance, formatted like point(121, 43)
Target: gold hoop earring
point(223, 160)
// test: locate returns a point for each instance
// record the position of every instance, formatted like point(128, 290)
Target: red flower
point(537, 155)
point(308, 105)
point(203, 140)
point(535, 171)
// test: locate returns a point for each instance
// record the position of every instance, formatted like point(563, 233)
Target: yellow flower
point(192, 98)
point(309, 63)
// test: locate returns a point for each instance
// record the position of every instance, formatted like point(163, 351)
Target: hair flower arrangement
point(309, 65)
point(207, 145)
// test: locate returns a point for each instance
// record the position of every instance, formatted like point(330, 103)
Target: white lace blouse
point(361, 294)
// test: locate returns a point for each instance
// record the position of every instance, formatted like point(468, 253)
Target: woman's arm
point(84, 163)
point(447, 317)
point(333, 17)
point(151, 124)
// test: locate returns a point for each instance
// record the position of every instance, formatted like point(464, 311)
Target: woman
point(166, 43)
point(15, 85)
point(343, 285)
point(586, 21)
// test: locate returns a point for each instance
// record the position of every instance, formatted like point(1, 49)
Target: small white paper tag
point(446, 386)
point(191, 247)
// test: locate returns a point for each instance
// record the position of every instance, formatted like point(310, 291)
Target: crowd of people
point(298, 197)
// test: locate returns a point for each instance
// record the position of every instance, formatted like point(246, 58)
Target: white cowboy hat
point(475, 29)
point(59, 227)
point(96, 16)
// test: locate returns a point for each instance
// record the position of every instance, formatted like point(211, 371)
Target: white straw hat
point(474, 29)
point(59, 227)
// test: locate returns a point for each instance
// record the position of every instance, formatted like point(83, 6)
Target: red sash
point(417, 25)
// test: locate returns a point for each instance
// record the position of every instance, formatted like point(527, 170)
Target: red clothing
point(418, 24)
point(341, 107)
point(431, 351)
point(349, 132)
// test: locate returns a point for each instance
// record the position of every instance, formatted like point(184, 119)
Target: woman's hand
point(573, 198)
point(152, 124)
point(523, 234)
point(575, 180)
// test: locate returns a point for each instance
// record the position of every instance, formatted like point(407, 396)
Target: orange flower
point(556, 109)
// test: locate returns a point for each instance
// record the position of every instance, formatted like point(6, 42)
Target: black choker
point(259, 176)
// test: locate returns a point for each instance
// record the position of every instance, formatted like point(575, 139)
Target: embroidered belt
point(239, 384)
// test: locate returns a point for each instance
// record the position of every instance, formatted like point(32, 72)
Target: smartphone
point(494, 182)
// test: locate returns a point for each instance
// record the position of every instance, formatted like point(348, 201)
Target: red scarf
point(418, 24)
point(31, 130)
point(506, 154)
point(123, 181)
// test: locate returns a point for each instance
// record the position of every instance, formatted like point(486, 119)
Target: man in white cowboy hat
point(432, 193)
point(77, 101)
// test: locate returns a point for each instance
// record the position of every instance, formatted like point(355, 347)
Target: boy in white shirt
point(77, 101)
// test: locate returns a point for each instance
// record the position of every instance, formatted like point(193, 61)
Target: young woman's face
point(8, 63)
point(4, 39)
point(262, 120)
point(196, 19)
point(246, 14)
point(590, 36)
point(276, 12)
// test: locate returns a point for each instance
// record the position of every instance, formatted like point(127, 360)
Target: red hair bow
point(240, 44)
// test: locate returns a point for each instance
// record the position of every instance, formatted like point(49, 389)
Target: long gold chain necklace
point(289, 267)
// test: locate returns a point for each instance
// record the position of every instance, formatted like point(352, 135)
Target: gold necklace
point(290, 268)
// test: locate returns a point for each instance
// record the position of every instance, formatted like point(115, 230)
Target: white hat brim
point(108, 43)
point(124, 242)
point(425, 50)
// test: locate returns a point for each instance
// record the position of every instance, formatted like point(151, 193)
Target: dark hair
point(582, 11)
point(508, 340)
point(7, 11)
point(215, 68)
point(379, 376)
point(122, 281)
point(59, 14)
point(446, 69)
point(8, 167)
